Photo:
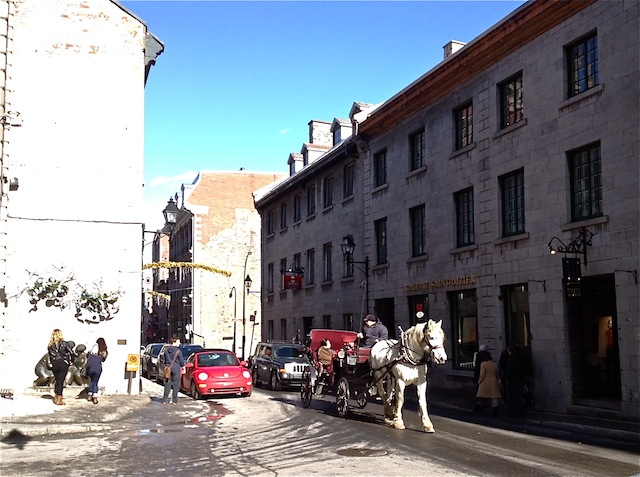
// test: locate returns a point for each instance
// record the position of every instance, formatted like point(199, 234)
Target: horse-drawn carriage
point(348, 375)
point(357, 373)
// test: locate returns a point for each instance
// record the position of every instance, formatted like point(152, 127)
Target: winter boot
point(496, 411)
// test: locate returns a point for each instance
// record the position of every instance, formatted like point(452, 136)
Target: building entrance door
point(594, 339)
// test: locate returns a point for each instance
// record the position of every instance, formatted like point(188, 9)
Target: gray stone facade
point(490, 277)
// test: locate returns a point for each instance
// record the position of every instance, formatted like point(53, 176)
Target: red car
point(211, 372)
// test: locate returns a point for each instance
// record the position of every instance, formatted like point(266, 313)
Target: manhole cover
point(359, 452)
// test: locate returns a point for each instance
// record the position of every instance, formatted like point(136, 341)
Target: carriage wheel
point(342, 397)
point(362, 400)
point(305, 388)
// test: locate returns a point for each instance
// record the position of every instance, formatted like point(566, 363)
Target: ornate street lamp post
point(348, 245)
point(235, 309)
point(245, 290)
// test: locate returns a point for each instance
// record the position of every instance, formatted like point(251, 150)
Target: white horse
point(404, 362)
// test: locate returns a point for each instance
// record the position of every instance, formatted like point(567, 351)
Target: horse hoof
point(429, 430)
point(399, 425)
point(388, 422)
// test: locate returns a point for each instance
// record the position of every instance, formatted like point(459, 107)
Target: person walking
point(61, 355)
point(95, 358)
point(488, 386)
point(372, 331)
point(517, 369)
point(173, 356)
point(478, 358)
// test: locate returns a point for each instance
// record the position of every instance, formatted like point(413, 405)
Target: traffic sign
point(133, 362)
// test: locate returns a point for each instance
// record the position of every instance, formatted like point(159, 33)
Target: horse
point(405, 362)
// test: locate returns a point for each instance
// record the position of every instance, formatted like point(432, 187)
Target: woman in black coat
point(61, 355)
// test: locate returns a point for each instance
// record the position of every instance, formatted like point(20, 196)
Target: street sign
point(133, 362)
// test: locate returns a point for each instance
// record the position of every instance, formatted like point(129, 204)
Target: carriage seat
point(363, 354)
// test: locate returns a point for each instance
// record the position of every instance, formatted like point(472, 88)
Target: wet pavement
point(33, 413)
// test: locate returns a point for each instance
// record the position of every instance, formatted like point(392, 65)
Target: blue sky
point(239, 81)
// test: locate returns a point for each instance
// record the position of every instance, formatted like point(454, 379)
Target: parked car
point(149, 360)
point(212, 372)
point(278, 364)
point(187, 350)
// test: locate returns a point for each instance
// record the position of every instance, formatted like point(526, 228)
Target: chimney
point(320, 133)
point(451, 47)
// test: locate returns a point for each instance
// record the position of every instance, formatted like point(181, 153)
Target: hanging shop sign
point(292, 281)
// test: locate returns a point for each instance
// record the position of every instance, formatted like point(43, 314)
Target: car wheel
point(273, 382)
point(254, 377)
point(195, 394)
point(245, 394)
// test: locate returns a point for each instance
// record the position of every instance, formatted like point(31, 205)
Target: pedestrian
point(517, 369)
point(481, 356)
point(173, 356)
point(488, 386)
point(95, 358)
point(372, 331)
point(61, 355)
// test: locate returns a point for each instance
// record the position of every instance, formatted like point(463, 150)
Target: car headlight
point(203, 376)
point(341, 354)
point(246, 374)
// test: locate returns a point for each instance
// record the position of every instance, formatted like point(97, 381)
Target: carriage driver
point(373, 331)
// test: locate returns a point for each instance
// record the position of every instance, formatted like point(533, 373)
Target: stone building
point(217, 233)
point(521, 143)
point(72, 77)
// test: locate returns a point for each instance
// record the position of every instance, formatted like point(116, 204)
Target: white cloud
point(157, 193)
point(173, 182)
point(284, 131)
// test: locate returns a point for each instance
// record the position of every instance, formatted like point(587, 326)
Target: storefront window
point(464, 321)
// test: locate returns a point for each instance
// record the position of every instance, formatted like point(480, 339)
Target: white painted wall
point(76, 76)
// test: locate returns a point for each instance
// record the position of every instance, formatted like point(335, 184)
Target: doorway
point(593, 337)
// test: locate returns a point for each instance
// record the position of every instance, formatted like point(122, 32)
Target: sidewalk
point(34, 414)
point(583, 424)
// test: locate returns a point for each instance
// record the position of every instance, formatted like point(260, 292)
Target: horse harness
point(405, 356)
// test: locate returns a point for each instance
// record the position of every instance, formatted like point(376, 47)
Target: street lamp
point(235, 308)
point(571, 272)
point(170, 213)
point(577, 246)
point(245, 289)
point(348, 245)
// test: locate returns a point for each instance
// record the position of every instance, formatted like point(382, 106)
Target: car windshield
point(288, 352)
point(155, 350)
point(188, 350)
point(217, 359)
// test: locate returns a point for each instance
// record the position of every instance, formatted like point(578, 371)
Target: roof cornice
point(522, 26)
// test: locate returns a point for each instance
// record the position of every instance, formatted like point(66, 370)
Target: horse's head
point(434, 336)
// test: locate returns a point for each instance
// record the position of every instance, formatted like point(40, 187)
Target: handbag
point(167, 369)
